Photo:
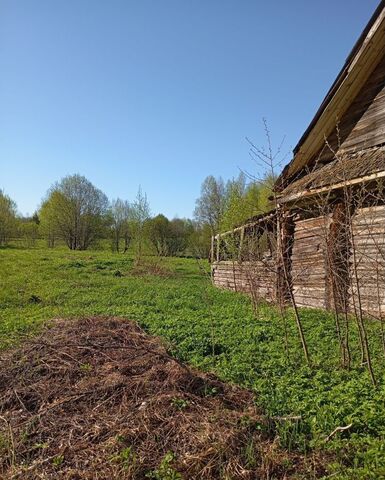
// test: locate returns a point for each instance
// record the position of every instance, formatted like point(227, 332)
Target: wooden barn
point(323, 245)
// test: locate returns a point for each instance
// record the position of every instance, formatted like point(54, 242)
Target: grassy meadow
point(215, 331)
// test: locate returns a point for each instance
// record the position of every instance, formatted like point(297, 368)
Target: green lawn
point(213, 330)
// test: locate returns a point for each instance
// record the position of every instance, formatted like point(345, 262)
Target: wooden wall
point(363, 125)
point(309, 262)
point(258, 276)
point(368, 260)
point(312, 255)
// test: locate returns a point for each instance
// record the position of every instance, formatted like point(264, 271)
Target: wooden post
point(285, 227)
point(241, 245)
point(338, 248)
point(212, 249)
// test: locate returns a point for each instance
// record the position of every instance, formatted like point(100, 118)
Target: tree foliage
point(74, 212)
point(222, 207)
point(159, 232)
point(210, 205)
point(170, 237)
point(120, 213)
point(139, 215)
point(8, 220)
point(245, 201)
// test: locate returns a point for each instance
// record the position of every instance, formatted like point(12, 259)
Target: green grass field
point(216, 331)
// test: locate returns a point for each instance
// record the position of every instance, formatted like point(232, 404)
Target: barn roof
point(366, 54)
point(348, 168)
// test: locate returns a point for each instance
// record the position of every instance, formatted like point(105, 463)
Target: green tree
point(8, 221)
point(120, 214)
point(139, 215)
point(199, 241)
point(159, 232)
point(74, 211)
point(49, 222)
point(234, 211)
point(28, 231)
point(244, 202)
point(210, 205)
point(180, 232)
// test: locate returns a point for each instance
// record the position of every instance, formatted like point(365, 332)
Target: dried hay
point(99, 399)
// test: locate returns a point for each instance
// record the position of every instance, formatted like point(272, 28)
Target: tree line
point(78, 214)
point(223, 206)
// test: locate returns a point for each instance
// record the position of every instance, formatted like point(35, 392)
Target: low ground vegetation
point(322, 408)
point(97, 397)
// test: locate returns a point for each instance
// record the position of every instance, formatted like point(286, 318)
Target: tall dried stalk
point(345, 253)
point(269, 159)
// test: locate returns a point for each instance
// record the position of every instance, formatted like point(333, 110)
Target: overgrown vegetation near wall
point(218, 331)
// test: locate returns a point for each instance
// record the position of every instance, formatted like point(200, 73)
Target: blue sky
point(159, 93)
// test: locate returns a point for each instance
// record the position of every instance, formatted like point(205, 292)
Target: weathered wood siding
point(367, 260)
point(363, 125)
point(309, 262)
point(256, 276)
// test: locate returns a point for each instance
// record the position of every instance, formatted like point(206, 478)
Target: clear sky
point(159, 93)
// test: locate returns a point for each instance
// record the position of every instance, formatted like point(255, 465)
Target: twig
point(338, 429)
point(11, 448)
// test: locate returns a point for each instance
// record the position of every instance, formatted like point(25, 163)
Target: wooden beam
point(247, 224)
point(329, 188)
point(241, 244)
point(212, 248)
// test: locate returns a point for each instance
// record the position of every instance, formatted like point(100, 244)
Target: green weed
point(165, 471)
point(180, 403)
point(126, 458)
point(214, 330)
point(58, 460)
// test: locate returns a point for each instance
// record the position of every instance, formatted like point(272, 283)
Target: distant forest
point(77, 214)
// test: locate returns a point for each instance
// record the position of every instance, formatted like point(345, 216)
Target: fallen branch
point(286, 418)
point(338, 429)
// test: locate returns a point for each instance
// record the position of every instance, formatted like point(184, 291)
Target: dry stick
point(90, 346)
point(360, 316)
point(380, 310)
point(344, 293)
point(233, 265)
point(335, 292)
point(343, 250)
point(359, 312)
point(348, 220)
point(285, 330)
point(327, 239)
point(378, 280)
point(344, 345)
point(336, 315)
point(292, 299)
point(269, 160)
point(289, 289)
point(254, 287)
point(11, 447)
point(33, 466)
point(207, 298)
point(282, 311)
point(345, 260)
point(338, 429)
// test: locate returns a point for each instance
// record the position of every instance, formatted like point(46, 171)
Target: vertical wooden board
point(308, 262)
point(255, 276)
point(367, 261)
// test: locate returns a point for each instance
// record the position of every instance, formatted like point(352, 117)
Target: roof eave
point(361, 62)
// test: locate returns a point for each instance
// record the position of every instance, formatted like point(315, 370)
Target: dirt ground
point(97, 398)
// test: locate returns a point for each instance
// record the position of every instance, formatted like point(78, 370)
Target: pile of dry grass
point(154, 267)
point(99, 399)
